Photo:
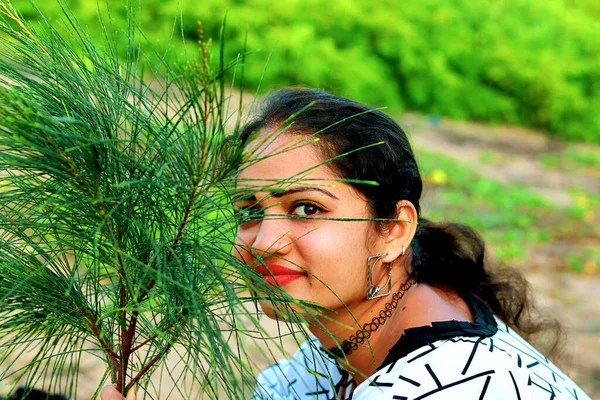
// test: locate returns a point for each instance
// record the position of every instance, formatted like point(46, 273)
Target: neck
point(421, 305)
point(361, 338)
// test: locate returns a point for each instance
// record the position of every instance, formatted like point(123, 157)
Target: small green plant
point(550, 160)
point(586, 261)
point(575, 263)
point(584, 206)
point(574, 157)
point(584, 157)
point(488, 157)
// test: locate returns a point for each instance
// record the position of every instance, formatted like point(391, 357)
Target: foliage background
point(528, 62)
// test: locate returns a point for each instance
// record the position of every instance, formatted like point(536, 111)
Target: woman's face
point(313, 259)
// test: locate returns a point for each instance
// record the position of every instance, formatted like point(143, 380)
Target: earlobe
point(401, 233)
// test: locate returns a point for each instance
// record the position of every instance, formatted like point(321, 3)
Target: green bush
point(528, 62)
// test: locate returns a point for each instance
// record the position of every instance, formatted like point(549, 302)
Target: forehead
point(294, 158)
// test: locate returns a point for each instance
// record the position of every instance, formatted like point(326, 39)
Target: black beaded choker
point(352, 343)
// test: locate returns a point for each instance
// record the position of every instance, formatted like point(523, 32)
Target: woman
point(409, 310)
point(412, 311)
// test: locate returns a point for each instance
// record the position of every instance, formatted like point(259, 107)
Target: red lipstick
point(278, 274)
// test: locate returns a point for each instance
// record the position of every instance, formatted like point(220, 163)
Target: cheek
point(335, 249)
point(241, 245)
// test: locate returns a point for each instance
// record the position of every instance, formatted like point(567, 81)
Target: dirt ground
point(572, 298)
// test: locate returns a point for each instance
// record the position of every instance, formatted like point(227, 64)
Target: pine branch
point(116, 222)
point(96, 168)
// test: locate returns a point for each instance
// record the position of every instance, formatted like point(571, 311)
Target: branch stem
point(151, 338)
point(91, 322)
point(153, 361)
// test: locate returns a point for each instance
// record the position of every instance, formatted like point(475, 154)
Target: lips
point(278, 274)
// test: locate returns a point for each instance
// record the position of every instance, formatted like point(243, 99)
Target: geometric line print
point(516, 386)
point(462, 339)
point(422, 371)
point(376, 383)
point(391, 367)
point(547, 383)
point(522, 345)
point(522, 352)
point(527, 345)
point(293, 382)
point(483, 342)
point(485, 386)
point(442, 388)
point(435, 378)
point(464, 371)
point(574, 394)
point(320, 389)
point(405, 379)
point(431, 348)
point(551, 391)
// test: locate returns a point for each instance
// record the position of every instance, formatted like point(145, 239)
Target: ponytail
point(449, 254)
point(452, 255)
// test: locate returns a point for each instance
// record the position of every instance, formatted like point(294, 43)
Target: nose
point(268, 237)
point(273, 237)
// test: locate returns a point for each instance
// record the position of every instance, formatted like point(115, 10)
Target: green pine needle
point(116, 224)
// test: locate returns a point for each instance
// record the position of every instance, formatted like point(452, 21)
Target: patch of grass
point(586, 261)
point(585, 206)
point(550, 160)
point(489, 157)
point(573, 158)
point(584, 156)
point(510, 218)
point(575, 263)
point(593, 327)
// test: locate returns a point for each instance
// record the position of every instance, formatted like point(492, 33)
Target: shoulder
point(308, 374)
point(502, 366)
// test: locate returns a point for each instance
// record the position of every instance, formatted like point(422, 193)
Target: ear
point(401, 233)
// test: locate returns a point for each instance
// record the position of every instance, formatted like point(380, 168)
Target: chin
point(290, 312)
point(278, 311)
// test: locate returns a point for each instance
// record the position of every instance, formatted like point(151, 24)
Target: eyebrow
point(299, 189)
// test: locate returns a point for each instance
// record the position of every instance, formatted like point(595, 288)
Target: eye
point(245, 214)
point(306, 209)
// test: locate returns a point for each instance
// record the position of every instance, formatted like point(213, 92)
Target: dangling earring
point(373, 291)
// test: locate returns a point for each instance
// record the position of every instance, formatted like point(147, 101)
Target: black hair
point(445, 254)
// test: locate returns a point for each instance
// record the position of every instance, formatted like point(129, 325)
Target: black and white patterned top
point(484, 359)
